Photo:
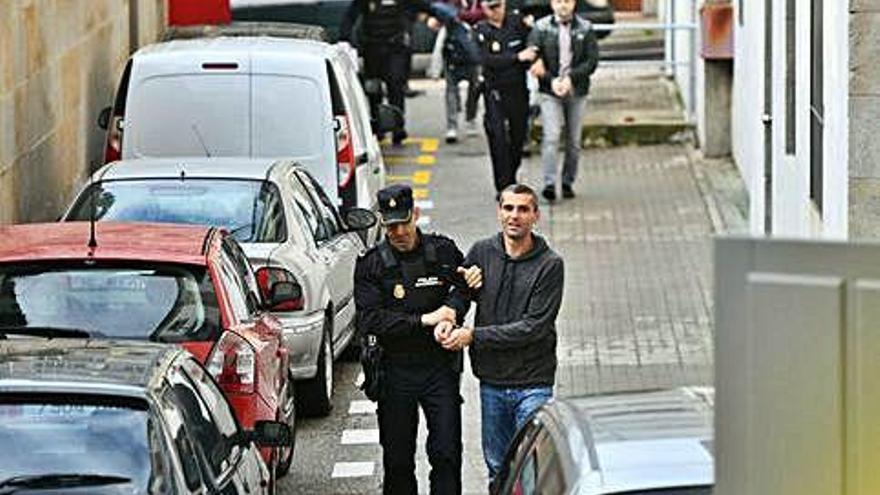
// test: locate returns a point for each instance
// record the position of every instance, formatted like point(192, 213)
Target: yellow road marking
point(422, 177)
point(426, 159)
point(430, 145)
point(420, 193)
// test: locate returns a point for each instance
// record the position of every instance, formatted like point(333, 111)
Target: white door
point(797, 365)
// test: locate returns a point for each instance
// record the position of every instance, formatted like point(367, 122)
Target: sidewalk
point(637, 247)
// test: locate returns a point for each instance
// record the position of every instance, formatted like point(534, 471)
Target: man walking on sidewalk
point(568, 56)
point(513, 342)
point(502, 39)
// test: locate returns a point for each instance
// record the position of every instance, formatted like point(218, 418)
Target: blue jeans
point(504, 411)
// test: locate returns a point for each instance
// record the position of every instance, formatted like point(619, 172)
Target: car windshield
point(62, 435)
point(165, 303)
point(250, 210)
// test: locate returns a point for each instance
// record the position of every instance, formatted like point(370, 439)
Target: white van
point(250, 96)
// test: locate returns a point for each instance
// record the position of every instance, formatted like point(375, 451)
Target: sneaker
point(451, 136)
point(470, 128)
point(549, 193)
point(398, 137)
point(567, 191)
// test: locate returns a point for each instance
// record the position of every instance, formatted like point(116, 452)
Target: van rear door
point(188, 104)
point(292, 116)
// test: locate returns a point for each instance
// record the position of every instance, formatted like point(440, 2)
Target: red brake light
point(267, 276)
point(113, 147)
point(233, 364)
point(344, 153)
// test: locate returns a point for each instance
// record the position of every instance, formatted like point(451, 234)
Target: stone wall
point(59, 65)
point(864, 112)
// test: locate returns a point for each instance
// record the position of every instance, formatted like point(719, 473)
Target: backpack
point(460, 48)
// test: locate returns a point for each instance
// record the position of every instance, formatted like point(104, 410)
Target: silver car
point(635, 444)
point(288, 228)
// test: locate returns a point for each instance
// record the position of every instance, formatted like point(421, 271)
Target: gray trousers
point(453, 95)
point(557, 113)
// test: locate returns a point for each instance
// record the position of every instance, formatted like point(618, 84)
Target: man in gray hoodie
point(513, 342)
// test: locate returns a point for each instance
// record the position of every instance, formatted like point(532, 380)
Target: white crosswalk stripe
point(362, 407)
point(360, 437)
point(353, 469)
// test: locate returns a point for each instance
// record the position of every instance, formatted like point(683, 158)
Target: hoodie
point(515, 325)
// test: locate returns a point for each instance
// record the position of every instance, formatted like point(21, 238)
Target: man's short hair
point(520, 189)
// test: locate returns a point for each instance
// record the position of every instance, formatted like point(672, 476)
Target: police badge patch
point(496, 47)
point(399, 293)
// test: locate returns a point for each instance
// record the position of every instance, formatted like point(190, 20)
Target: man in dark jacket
point(513, 342)
point(568, 54)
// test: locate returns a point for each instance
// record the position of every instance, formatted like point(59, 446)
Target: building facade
point(805, 102)
point(59, 64)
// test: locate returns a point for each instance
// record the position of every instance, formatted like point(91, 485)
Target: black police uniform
point(384, 41)
point(505, 94)
point(392, 290)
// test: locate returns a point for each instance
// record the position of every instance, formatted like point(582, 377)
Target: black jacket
point(515, 327)
point(585, 52)
point(498, 49)
point(388, 305)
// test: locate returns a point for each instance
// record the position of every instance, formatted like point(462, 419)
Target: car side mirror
point(270, 434)
point(389, 118)
point(104, 118)
point(359, 219)
point(285, 296)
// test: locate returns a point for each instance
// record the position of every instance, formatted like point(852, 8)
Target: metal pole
point(692, 57)
point(667, 39)
point(674, 55)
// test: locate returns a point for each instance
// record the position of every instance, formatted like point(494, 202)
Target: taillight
point(345, 164)
point(233, 364)
point(267, 276)
point(113, 147)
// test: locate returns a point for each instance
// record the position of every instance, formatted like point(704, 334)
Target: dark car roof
point(129, 368)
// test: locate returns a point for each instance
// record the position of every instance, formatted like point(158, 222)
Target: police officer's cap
point(395, 204)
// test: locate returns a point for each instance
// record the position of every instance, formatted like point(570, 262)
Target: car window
point(216, 440)
point(251, 210)
point(548, 465)
point(235, 287)
point(314, 224)
point(159, 302)
point(359, 108)
point(270, 226)
point(213, 398)
point(325, 208)
point(184, 445)
point(253, 297)
point(74, 433)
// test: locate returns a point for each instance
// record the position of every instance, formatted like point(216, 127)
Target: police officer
point(403, 289)
point(505, 57)
point(384, 41)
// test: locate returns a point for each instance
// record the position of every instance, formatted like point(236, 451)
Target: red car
point(179, 284)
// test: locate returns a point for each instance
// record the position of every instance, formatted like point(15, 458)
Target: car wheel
point(287, 415)
point(314, 397)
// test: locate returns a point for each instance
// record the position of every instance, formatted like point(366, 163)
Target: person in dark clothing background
point(502, 39)
point(384, 41)
point(513, 342)
point(402, 291)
